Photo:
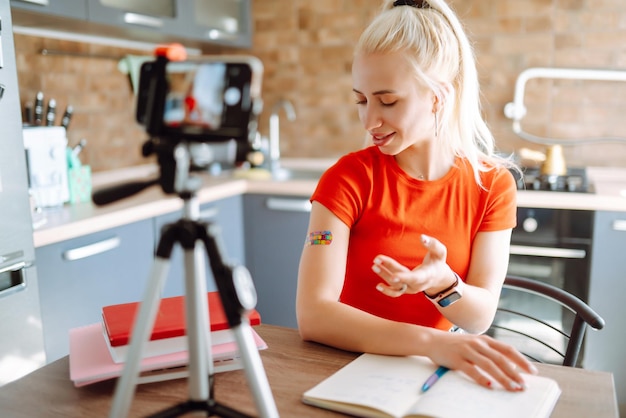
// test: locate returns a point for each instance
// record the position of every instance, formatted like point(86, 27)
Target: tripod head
point(210, 99)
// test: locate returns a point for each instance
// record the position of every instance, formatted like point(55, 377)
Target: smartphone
point(208, 99)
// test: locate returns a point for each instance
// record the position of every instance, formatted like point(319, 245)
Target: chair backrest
point(544, 322)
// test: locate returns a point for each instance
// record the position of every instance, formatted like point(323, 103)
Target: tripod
point(237, 293)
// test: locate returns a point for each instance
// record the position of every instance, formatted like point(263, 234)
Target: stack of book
point(98, 351)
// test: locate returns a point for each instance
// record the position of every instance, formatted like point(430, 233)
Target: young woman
point(410, 236)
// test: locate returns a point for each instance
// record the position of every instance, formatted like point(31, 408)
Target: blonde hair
point(435, 44)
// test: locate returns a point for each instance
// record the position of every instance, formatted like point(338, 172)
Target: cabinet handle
point(12, 279)
point(619, 225)
point(14, 267)
point(92, 249)
point(142, 20)
point(547, 252)
point(41, 2)
point(290, 205)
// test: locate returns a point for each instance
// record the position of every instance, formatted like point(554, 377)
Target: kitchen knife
point(79, 147)
point(67, 116)
point(51, 112)
point(39, 108)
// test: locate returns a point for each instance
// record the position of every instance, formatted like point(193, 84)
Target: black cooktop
point(575, 181)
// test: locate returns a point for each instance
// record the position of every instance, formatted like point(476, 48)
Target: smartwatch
point(449, 295)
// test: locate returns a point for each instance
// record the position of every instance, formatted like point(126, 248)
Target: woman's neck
point(424, 162)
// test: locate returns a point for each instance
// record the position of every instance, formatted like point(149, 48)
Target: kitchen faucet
point(274, 145)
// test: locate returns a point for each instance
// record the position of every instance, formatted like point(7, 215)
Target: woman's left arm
point(475, 310)
point(483, 284)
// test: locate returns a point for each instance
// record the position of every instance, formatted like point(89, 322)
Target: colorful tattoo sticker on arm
point(319, 238)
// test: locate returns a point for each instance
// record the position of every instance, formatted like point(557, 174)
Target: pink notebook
point(91, 362)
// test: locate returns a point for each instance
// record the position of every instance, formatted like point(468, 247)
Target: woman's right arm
point(324, 319)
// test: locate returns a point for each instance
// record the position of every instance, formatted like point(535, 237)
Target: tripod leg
point(125, 388)
point(255, 372)
point(198, 336)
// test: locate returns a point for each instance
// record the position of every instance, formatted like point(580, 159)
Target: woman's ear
point(441, 95)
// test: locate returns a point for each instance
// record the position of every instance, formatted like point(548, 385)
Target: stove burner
point(574, 181)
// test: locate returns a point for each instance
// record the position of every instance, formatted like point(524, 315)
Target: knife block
point(46, 162)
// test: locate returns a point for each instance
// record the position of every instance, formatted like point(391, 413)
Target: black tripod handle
point(120, 191)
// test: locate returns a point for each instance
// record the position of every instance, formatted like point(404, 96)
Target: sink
point(302, 168)
point(284, 174)
point(290, 169)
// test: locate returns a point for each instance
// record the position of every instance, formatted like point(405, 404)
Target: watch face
point(450, 299)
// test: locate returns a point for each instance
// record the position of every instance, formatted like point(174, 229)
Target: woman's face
point(393, 107)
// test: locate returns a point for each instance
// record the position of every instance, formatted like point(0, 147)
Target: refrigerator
point(21, 334)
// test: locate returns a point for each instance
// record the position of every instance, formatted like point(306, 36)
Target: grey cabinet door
point(227, 215)
point(75, 9)
point(604, 349)
point(157, 16)
point(275, 229)
point(79, 276)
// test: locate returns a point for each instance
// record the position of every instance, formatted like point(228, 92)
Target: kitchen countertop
point(71, 221)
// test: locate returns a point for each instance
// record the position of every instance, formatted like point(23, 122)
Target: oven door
point(564, 267)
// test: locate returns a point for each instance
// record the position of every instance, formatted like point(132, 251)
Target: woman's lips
point(381, 140)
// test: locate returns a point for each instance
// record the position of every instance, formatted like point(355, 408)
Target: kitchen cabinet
point(219, 21)
point(197, 22)
point(227, 214)
point(78, 277)
point(275, 228)
point(74, 9)
point(159, 16)
point(604, 349)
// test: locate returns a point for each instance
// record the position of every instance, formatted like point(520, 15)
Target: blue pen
point(441, 370)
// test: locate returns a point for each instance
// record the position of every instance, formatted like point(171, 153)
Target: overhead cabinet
point(75, 9)
point(192, 22)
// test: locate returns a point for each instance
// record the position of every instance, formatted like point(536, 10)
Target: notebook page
point(387, 383)
point(455, 395)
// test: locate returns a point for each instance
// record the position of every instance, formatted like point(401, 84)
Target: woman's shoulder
point(498, 178)
point(362, 161)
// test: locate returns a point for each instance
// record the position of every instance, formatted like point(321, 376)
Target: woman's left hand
point(434, 273)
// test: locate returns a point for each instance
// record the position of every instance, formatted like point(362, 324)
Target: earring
point(436, 124)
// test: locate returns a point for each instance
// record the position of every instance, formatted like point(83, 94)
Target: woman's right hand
point(482, 358)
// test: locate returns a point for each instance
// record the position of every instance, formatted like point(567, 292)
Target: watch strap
point(445, 291)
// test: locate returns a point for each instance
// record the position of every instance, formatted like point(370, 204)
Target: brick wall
point(306, 47)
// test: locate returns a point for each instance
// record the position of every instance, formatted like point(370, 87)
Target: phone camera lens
point(232, 95)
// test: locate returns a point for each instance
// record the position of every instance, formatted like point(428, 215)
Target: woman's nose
point(370, 118)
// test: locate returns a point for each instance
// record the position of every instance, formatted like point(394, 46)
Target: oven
point(551, 246)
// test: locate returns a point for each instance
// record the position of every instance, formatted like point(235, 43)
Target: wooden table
point(292, 367)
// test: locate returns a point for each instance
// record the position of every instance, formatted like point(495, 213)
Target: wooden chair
point(544, 322)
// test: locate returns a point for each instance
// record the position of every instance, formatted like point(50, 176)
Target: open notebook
point(387, 386)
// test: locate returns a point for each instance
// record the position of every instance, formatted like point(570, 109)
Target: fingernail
point(425, 239)
point(515, 386)
point(379, 288)
point(395, 280)
point(376, 269)
point(377, 261)
point(533, 369)
point(489, 383)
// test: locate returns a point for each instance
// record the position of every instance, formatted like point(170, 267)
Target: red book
point(170, 320)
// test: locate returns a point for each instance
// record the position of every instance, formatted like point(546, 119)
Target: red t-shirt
point(387, 211)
